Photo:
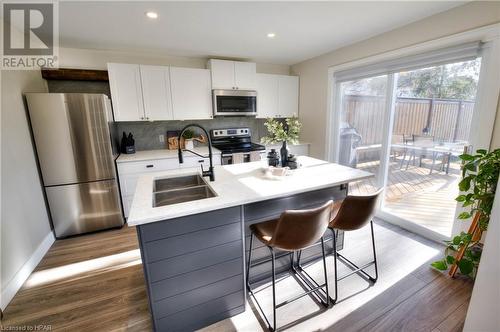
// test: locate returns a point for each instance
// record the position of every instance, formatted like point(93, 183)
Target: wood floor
point(95, 283)
point(416, 195)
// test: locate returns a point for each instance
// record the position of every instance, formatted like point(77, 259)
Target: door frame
point(486, 100)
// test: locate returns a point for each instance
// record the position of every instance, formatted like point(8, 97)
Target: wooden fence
point(448, 120)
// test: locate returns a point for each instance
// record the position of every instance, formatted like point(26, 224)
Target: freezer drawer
point(85, 207)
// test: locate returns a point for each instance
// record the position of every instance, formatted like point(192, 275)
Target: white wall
point(313, 72)
point(25, 229)
point(97, 59)
point(484, 306)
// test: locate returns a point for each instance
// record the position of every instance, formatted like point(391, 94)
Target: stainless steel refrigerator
point(73, 144)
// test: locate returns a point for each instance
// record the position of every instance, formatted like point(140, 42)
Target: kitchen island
point(193, 252)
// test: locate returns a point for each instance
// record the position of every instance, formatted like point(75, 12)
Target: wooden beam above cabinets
point(75, 74)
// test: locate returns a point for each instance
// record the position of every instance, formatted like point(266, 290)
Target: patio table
point(446, 149)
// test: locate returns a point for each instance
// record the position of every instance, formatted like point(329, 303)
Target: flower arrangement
point(282, 131)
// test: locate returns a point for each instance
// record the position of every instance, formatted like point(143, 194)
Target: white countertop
point(159, 154)
point(280, 144)
point(237, 185)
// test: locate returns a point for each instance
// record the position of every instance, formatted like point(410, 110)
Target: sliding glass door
point(407, 123)
point(362, 116)
point(432, 122)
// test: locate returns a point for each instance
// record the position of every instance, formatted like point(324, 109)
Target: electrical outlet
point(161, 138)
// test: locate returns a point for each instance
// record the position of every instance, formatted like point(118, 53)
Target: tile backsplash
point(146, 134)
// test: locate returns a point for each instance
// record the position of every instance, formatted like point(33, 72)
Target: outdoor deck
point(415, 195)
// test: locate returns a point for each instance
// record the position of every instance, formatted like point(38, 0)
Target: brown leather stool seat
point(293, 231)
point(264, 231)
point(350, 214)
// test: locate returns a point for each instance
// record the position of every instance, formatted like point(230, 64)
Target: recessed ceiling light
point(152, 15)
point(271, 35)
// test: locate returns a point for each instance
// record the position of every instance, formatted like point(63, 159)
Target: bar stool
point(353, 213)
point(293, 231)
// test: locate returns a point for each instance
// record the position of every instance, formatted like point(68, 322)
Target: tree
point(450, 81)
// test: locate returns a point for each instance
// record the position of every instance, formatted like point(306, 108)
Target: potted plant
point(188, 137)
point(480, 174)
point(282, 132)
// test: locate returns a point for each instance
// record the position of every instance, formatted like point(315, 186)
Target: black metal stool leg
point(356, 268)
point(274, 289)
point(249, 262)
point(374, 254)
point(310, 282)
point(326, 273)
point(334, 239)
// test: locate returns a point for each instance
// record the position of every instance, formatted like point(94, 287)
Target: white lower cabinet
point(130, 171)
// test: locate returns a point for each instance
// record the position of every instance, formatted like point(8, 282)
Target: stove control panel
point(216, 133)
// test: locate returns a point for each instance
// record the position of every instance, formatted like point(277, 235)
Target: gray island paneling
point(195, 265)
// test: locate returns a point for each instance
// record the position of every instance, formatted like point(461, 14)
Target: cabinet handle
point(150, 166)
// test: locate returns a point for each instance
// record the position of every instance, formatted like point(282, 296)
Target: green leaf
point(464, 215)
point(440, 265)
point(481, 151)
point(450, 259)
point(464, 185)
point(465, 266)
point(456, 240)
point(460, 198)
point(467, 203)
point(466, 157)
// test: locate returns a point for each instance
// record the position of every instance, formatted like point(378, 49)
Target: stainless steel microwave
point(235, 102)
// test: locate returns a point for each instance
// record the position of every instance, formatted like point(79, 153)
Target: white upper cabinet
point(126, 91)
point(191, 93)
point(277, 96)
point(288, 96)
point(140, 93)
point(267, 96)
point(222, 74)
point(232, 75)
point(156, 92)
point(245, 75)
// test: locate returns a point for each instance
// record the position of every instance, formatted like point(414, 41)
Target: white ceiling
point(235, 29)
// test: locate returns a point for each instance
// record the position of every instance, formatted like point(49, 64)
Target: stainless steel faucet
point(210, 172)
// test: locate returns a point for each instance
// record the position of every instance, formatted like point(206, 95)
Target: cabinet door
point(222, 74)
point(288, 96)
point(156, 92)
point(267, 96)
point(126, 92)
point(191, 93)
point(245, 75)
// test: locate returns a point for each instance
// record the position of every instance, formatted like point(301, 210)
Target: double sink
point(180, 189)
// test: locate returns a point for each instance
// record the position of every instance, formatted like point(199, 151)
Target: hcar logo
point(30, 35)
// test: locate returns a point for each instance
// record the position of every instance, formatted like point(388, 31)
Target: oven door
point(234, 103)
point(236, 158)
